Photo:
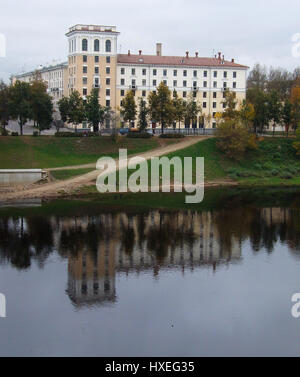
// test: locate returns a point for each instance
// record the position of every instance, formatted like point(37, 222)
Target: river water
point(151, 282)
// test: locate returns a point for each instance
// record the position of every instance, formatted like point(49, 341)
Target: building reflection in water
point(101, 246)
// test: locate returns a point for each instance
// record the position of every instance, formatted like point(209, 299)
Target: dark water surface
point(155, 282)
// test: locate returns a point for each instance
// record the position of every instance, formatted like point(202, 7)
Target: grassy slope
point(49, 151)
point(69, 173)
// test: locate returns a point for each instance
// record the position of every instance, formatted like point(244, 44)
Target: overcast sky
point(250, 32)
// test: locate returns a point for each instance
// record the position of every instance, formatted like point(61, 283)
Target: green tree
point(259, 100)
point(63, 106)
point(179, 108)
point(128, 107)
point(20, 103)
point(192, 110)
point(143, 115)
point(274, 108)
point(230, 103)
point(4, 104)
point(41, 104)
point(76, 111)
point(161, 106)
point(287, 116)
point(94, 111)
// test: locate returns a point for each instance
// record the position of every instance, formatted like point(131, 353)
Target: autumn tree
point(230, 102)
point(128, 107)
point(161, 106)
point(287, 116)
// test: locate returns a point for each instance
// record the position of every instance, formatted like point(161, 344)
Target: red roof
point(176, 60)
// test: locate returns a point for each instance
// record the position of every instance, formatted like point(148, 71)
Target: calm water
point(151, 283)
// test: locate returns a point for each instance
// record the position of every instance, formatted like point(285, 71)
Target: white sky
point(250, 32)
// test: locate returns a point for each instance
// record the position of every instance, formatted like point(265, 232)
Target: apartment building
point(55, 76)
point(94, 62)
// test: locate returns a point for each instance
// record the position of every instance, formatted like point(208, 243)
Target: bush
point(139, 135)
point(35, 133)
point(257, 166)
point(4, 132)
point(275, 172)
point(286, 175)
point(68, 134)
point(172, 136)
point(233, 176)
point(15, 134)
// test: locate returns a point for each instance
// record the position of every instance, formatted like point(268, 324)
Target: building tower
point(92, 61)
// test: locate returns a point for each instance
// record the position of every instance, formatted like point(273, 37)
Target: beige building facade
point(94, 62)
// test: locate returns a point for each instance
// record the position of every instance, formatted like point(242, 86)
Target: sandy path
point(58, 188)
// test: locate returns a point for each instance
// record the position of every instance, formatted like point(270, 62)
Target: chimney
point(187, 54)
point(196, 53)
point(158, 49)
point(128, 52)
point(140, 52)
point(219, 57)
point(232, 60)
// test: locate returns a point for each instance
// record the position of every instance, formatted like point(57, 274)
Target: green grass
point(48, 151)
point(69, 173)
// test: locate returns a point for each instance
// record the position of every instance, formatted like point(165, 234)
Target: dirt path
point(59, 188)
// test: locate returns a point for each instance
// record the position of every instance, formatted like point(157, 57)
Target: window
point(133, 71)
point(174, 83)
point(96, 70)
point(184, 94)
point(194, 94)
point(144, 83)
point(204, 105)
point(224, 105)
point(234, 75)
point(204, 94)
point(234, 85)
point(215, 84)
point(96, 82)
point(108, 46)
point(214, 125)
point(84, 69)
point(205, 84)
point(165, 82)
point(107, 70)
point(214, 94)
point(96, 59)
point(214, 114)
point(108, 59)
point(194, 84)
point(224, 85)
point(165, 72)
point(96, 45)
point(107, 81)
point(84, 58)
point(205, 73)
point(107, 92)
point(122, 71)
point(144, 93)
point(107, 103)
point(215, 73)
point(122, 81)
point(154, 72)
point(154, 82)
point(84, 80)
point(175, 72)
point(144, 71)
point(225, 75)
point(122, 93)
point(133, 82)
point(214, 105)
point(195, 73)
point(184, 83)
point(185, 73)
point(84, 45)
point(84, 91)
